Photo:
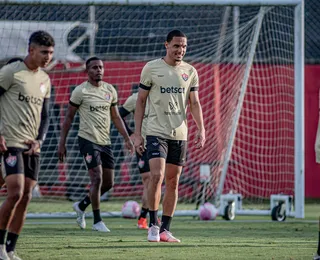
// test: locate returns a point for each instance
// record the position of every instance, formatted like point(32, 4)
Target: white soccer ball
point(130, 209)
point(208, 211)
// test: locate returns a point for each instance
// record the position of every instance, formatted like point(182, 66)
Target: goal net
point(245, 58)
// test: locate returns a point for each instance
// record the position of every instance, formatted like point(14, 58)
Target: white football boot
point(81, 221)
point(100, 226)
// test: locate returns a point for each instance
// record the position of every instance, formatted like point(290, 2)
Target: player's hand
point(129, 145)
point(34, 147)
point(138, 143)
point(200, 138)
point(3, 145)
point(62, 152)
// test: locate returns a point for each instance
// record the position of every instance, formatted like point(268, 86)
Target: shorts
point(16, 162)
point(143, 162)
point(174, 151)
point(95, 154)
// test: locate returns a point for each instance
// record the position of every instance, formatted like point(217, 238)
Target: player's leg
point(31, 172)
point(144, 169)
point(175, 160)
point(93, 163)
point(157, 152)
point(2, 182)
point(14, 168)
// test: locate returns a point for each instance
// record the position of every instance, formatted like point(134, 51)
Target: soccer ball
point(208, 211)
point(130, 209)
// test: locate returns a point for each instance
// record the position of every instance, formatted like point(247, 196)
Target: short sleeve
point(130, 104)
point(48, 94)
point(76, 96)
point(146, 79)
point(195, 79)
point(114, 97)
point(6, 77)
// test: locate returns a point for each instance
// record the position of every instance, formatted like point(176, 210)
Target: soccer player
point(143, 164)
point(24, 103)
point(97, 104)
point(2, 182)
point(170, 84)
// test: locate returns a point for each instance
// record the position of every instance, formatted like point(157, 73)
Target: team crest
point(43, 88)
point(108, 96)
point(141, 164)
point(185, 76)
point(11, 160)
point(88, 158)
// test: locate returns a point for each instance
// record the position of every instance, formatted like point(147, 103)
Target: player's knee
point(156, 177)
point(96, 177)
point(172, 184)
point(15, 196)
point(107, 186)
point(26, 198)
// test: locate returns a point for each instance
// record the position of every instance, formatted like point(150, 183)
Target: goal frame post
point(299, 139)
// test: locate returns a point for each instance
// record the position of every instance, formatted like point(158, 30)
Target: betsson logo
point(30, 99)
point(99, 108)
point(173, 90)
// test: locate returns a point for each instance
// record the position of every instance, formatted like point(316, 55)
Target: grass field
point(244, 238)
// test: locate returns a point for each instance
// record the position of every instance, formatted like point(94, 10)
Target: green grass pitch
point(244, 238)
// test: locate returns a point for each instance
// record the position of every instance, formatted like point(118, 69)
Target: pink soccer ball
point(130, 209)
point(208, 211)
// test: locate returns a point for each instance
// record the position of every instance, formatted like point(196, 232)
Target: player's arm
point(196, 111)
point(35, 145)
point(119, 124)
point(72, 109)
point(123, 113)
point(6, 76)
point(44, 125)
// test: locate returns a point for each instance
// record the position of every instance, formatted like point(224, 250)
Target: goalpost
point(250, 59)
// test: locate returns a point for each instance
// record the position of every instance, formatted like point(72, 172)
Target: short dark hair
point(175, 33)
point(41, 38)
point(12, 60)
point(91, 59)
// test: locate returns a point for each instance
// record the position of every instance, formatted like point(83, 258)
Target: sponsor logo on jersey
point(99, 108)
point(88, 158)
point(43, 88)
point(11, 160)
point(171, 90)
point(155, 143)
point(30, 99)
point(185, 76)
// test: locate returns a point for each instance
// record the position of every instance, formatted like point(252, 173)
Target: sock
point(96, 216)
point(11, 241)
point(143, 213)
point(84, 203)
point(2, 236)
point(153, 217)
point(166, 221)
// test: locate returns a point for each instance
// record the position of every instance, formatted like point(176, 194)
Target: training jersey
point(169, 87)
point(94, 105)
point(21, 104)
point(130, 106)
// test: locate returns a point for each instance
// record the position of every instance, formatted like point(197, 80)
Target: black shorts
point(174, 151)
point(15, 162)
point(95, 154)
point(143, 162)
